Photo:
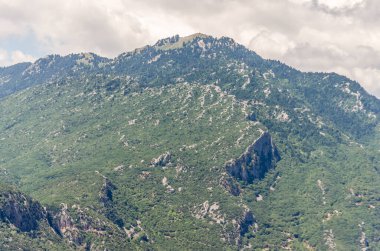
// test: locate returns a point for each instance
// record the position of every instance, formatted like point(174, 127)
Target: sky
point(340, 36)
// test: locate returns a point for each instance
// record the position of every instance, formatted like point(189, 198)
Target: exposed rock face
point(71, 224)
point(209, 211)
point(240, 227)
point(106, 199)
point(233, 229)
point(162, 160)
point(256, 161)
point(63, 224)
point(246, 221)
point(230, 185)
point(74, 223)
point(106, 193)
point(20, 210)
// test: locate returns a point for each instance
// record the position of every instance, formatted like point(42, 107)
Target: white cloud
point(3, 56)
point(369, 78)
point(340, 3)
point(14, 57)
point(19, 56)
point(317, 35)
point(271, 44)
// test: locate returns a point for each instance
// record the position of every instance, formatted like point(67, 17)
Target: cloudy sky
point(311, 35)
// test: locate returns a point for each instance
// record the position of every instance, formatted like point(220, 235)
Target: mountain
point(192, 143)
point(48, 69)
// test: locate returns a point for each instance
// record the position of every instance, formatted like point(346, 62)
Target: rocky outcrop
point(231, 185)
point(106, 192)
point(162, 160)
point(210, 211)
point(256, 161)
point(20, 210)
point(76, 224)
point(106, 199)
point(240, 227)
point(245, 222)
point(72, 224)
point(64, 225)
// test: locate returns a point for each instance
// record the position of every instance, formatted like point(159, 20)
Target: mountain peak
point(196, 35)
point(176, 41)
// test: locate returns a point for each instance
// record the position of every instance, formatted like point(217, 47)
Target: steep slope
point(24, 223)
point(161, 152)
point(203, 59)
point(49, 69)
point(194, 142)
point(9, 76)
point(241, 72)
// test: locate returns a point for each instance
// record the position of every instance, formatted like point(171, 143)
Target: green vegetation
point(130, 153)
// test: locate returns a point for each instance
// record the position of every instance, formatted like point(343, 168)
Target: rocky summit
point(193, 143)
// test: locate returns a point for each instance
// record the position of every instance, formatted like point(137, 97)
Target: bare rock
point(162, 160)
point(20, 210)
point(256, 161)
point(106, 192)
point(231, 185)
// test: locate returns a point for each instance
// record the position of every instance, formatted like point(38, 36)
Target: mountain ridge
point(170, 40)
point(160, 147)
